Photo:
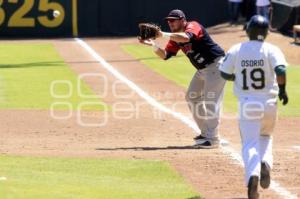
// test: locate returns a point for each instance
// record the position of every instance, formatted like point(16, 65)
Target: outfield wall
point(33, 18)
point(120, 17)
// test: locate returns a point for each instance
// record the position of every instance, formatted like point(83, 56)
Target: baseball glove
point(148, 31)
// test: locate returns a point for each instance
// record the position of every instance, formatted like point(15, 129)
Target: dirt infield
point(213, 173)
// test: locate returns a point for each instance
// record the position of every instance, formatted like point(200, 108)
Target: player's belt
point(206, 65)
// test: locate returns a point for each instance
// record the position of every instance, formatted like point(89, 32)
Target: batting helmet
point(257, 28)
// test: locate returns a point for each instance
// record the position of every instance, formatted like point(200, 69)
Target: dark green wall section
point(286, 13)
point(120, 17)
point(33, 18)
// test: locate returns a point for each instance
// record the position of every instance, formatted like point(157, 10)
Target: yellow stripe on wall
point(74, 18)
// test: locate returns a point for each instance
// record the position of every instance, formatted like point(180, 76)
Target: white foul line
point(297, 147)
point(190, 123)
point(3, 178)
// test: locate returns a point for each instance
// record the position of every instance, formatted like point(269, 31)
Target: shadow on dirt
point(140, 59)
point(116, 60)
point(149, 148)
point(225, 28)
point(34, 64)
point(237, 198)
point(195, 197)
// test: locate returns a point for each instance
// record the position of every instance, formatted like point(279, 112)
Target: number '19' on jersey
point(253, 64)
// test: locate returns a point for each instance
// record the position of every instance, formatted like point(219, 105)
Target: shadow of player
point(33, 64)
point(238, 198)
point(149, 148)
point(195, 197)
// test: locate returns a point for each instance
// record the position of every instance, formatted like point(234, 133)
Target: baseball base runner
point(257, 68)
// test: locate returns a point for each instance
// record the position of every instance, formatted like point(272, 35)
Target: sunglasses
point(172, 20)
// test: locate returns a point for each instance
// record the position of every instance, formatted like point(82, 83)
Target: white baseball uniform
point(255, 85)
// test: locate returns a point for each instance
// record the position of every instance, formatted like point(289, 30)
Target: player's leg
point(213, 95)
point(194, 99)
point(266, 142)
point(251, 113)
point(253, 188)
point(250, 133)
point(266, 160)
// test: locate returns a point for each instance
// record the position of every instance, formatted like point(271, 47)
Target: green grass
point(26, 74)
point(70, 178)
point(180, 71)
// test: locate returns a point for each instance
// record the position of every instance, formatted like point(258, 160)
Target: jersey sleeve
point(228, 63)
point(171, 49)
point(276, 57)
point(194, 30)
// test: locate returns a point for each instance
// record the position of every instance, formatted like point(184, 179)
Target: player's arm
point(279, 64)
point(227, 67)
point(160, 52)
point(281, 79)
point(228, 77)
point(157, 50)
point(180, 37)
point(193, 30)
point(171, 48)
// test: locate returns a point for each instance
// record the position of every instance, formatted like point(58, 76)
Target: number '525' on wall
point(35, 18)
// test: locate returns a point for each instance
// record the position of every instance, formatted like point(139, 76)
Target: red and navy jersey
point(201, 49)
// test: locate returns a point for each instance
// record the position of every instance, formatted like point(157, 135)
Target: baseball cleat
point(206, 144)
point(200, 139)
point(253, 187)
point(265, 178)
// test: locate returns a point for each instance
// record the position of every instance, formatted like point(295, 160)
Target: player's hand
point(148, 42)
point(159, 34)
point(283, 97)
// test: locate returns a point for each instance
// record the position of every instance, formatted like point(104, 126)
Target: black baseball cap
point(176, 14)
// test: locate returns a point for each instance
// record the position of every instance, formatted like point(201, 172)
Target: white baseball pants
point(257, 121)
